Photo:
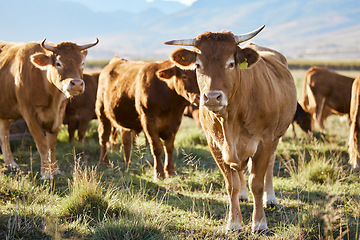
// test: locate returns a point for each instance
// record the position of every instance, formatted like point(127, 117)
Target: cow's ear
point(166, 74)
point(41, 60)
point(84, 53)
point(246, 57)
point(183, 58)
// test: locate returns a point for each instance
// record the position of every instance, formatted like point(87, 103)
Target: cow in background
point(36, 81)
point(354, 136)
point(247, 102)
point(80, 110)
point(149, 97)
point(326, 92)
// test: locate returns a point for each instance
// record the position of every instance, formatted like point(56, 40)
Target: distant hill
point(299, 29)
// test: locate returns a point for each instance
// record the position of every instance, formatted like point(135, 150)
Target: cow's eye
point(58, 64)
point(83, 64)
point(231, 65)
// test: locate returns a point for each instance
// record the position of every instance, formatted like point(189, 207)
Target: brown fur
point(326, 92)
point(243, 114)
point(34, 87)
point(354, 136)
point(80, 109)
point(132, 97)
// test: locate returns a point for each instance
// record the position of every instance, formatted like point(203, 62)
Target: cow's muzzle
point(213, 100)
point(74, 87)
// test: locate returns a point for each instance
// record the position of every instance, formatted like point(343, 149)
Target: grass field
point(318, 195)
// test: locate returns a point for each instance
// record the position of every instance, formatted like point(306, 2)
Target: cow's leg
point(354, 145)
point(320, 111)
point(50, 167)
point(243, 196)
point(269, 198)
point(42, 145)
point(5, 144)
point(127, 141)
point(259, 167)
point(83, 126)
point(169, 161)
point(71, 129)
point(104, 131)
point(156, 146)
point(232, 180)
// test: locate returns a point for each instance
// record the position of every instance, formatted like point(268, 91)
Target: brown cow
point(354, 136)
point(81, 109)
point(326, 92)
point(247, 102)
point(132, 97)
point(36, 81)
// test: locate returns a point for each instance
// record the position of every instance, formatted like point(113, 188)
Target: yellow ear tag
point(244, 64)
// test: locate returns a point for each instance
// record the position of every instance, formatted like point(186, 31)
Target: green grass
point(318, 195)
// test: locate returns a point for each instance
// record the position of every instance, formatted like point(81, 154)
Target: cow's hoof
point(170, 174)
point(12, 167)
point(265, 232)
point(46, 176)
point(271, 204)
point(234, 227)
point(58, 172)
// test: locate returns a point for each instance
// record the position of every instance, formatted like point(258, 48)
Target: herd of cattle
point(245, 101)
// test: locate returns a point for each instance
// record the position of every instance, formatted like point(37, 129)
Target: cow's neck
point(51, 112)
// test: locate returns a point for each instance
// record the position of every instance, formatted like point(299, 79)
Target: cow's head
point(217, 59)
point(64, 64)
point(182, 81)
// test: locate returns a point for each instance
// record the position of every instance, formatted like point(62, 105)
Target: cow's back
point(272, 80)
point(15, 65)
point(336, 88)
point(116, 92)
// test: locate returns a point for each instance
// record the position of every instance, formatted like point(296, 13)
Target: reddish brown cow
point(354, 137)
point(81, 109)
point(247, 102)
point(36, 81)
point(136, 96)
point(326, 92)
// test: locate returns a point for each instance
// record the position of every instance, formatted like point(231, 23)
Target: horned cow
point(247, 102)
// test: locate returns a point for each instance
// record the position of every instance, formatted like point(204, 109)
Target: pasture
point(318, 195)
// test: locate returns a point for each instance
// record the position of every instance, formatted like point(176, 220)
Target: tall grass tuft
point(88, 197)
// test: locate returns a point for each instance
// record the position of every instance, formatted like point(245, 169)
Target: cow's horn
point(247, 36)
point(46, 46)
point(183, 42)
point(86, 46)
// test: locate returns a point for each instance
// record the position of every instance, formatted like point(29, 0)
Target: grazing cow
point(301, 118)
point(326, 92)
point(354, 136)
point(81, 109)
point(36, 81)
point(247, 102)
point(136, 96)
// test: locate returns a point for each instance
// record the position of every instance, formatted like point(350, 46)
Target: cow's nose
point(212, 98)
point(77, 85)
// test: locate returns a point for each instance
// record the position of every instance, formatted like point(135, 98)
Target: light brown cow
point(149, 97)
point(81, 109)
point(354, 136)
point(326, 92)
point(247, 102)
point(36, 81)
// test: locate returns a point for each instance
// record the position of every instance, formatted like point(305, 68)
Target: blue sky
point(114, 5)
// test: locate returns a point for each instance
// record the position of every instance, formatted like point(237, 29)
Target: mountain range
point(299, 29)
